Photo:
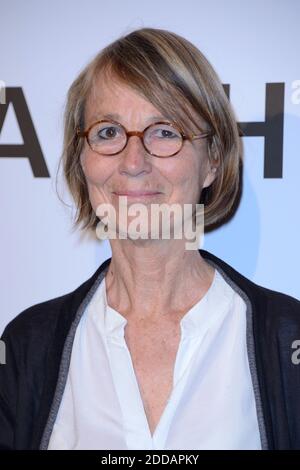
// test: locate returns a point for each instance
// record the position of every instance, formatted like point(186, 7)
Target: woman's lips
point(136, 193)
point(143, 196)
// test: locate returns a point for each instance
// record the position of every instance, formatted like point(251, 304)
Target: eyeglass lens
point(109, 138)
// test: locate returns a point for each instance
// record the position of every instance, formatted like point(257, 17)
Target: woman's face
point(178, 179)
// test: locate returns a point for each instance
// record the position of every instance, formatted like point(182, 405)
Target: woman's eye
point(108, 132)
point(166, 133)
point(162, 133)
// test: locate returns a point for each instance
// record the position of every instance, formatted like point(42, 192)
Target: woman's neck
point(154, 279)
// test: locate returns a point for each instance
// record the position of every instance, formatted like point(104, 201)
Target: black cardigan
point(39, 343)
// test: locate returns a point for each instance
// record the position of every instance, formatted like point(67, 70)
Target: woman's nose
point(135, 159)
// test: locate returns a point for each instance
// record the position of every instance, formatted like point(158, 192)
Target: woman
point(164, 347)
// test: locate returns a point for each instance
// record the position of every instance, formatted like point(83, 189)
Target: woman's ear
point(211, 176)
point(213, 164)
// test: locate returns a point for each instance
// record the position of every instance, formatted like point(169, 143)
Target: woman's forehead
point(110, 95)
point(114, 98)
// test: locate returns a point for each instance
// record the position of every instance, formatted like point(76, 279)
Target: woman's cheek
point(91, 169)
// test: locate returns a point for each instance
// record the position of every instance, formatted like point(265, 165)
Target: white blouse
point(212, 404)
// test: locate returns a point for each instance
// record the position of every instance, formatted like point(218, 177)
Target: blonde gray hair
point(172, 74)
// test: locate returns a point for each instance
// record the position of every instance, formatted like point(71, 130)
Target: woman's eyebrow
point(118, 117)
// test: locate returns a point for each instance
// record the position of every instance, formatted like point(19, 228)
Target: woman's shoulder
point(265, 301)
point(42, 319)
point(37, 317)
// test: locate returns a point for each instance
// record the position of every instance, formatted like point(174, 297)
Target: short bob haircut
point(177, 79)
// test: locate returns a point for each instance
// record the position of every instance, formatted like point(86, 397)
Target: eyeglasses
point(161, 139)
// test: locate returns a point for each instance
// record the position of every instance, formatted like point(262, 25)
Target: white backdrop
point(43, 46)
